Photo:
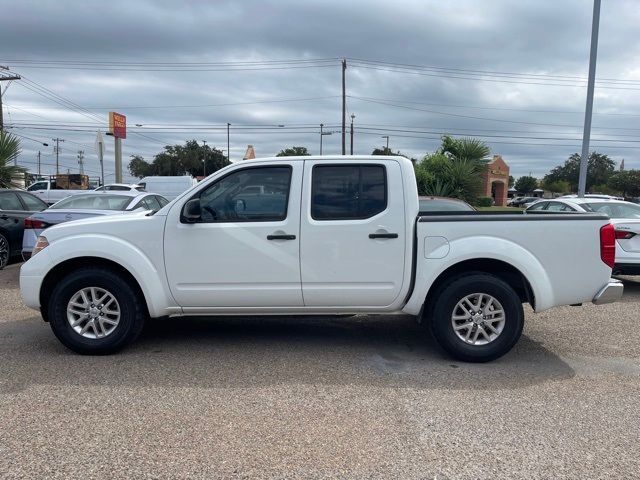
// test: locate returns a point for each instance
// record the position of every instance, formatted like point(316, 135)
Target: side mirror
point(191, 211)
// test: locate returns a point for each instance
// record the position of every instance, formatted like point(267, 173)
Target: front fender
point(149, 275)
point(480, 247)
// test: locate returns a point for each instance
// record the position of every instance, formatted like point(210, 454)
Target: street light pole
point(228, 151)
point(584, 159)
point(204, 160)
point(387, 149)
point(352, 117)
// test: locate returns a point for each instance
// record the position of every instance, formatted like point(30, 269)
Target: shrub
point(484, 201)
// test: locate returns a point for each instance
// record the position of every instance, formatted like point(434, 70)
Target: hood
point(114, 225)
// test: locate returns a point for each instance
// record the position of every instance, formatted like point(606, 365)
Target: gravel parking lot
point(322, 397)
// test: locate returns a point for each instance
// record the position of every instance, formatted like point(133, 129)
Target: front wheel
point(477, 317)
point(95, 311)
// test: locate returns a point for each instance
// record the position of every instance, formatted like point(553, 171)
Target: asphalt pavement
point(298, 397)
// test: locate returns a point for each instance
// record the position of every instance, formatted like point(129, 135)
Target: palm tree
point(455, 168)
point(466, 148)
point(9, 151)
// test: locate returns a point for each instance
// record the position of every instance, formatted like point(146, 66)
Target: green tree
point(512, 181)
point(180, 160)
point(559, 186)
point(465, 148)
point(599, 168)
point(138, 167)
point(626, 182)
point(382, 151)
point(294, 152)
point(9, 151)
point(526, 184)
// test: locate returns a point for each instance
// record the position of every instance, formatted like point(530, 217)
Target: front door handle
point(383, 235)
point(4, 217)
point(281, 237)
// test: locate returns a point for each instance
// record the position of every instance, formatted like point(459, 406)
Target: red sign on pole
point(117, 125)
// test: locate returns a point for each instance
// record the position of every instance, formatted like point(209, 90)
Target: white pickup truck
point(323, 235)
point(48, 192)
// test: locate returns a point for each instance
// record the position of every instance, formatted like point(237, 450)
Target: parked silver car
point(86, 205)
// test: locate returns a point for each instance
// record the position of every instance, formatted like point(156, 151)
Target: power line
point(483, 79)
point(493, 73)
point(480, 118)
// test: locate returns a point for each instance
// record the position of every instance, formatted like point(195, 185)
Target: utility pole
point(584, 159)
point(38, 164)
point(57, 150)
point(228, 151)
point(81, 161)
point(344, 104)
point(321, 125)
point(204, 160)
point(5, 78)
point(352, 117)
point(386, 152)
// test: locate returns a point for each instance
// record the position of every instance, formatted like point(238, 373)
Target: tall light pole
point(204, 160)
point(387, 137)
point(322, 134)
point(228, 151)
point(352, 117)
point(584, 159)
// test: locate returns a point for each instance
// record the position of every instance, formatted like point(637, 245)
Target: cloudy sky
point(510, 72)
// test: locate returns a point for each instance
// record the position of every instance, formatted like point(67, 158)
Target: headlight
point(41, 244)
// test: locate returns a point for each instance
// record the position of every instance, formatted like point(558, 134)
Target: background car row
point(624, 215)
point(23, 216)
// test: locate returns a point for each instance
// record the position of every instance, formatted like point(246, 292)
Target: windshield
point(95, 202)
point(616, 210)
point(444, 205)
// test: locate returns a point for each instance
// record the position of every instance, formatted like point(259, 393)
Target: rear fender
point(485, 247)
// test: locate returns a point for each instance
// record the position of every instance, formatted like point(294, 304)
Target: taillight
point(624, 235)
point(40, 245)
point(30, 223)
point(608, 244)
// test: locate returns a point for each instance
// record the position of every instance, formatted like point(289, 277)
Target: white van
point(168, 187)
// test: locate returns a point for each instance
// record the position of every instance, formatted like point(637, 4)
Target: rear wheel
point(5, 251)
point(95, 311)
point(477, 317)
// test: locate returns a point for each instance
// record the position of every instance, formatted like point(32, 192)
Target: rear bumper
point(611, 292)
point(626, 269)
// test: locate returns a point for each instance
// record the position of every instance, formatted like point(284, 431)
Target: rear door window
point(10, 201)
point(32, 203)
point(348, 192)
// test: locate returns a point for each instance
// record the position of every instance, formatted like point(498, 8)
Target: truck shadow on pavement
point(244, 352)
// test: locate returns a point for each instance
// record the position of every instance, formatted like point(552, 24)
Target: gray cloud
point(516, 119)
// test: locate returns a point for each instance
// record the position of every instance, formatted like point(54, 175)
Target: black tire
point(5, 257)
point(132, 311)
point(453, 291)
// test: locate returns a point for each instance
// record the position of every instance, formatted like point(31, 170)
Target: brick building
point(495, 180)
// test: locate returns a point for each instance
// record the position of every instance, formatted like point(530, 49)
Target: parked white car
point(323, 235)
point(168, 187)
point(120, 187)
point(624, 215)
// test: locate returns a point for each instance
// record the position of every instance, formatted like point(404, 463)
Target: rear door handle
point(281, 237)
point(4, 217)
point(383, 235)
